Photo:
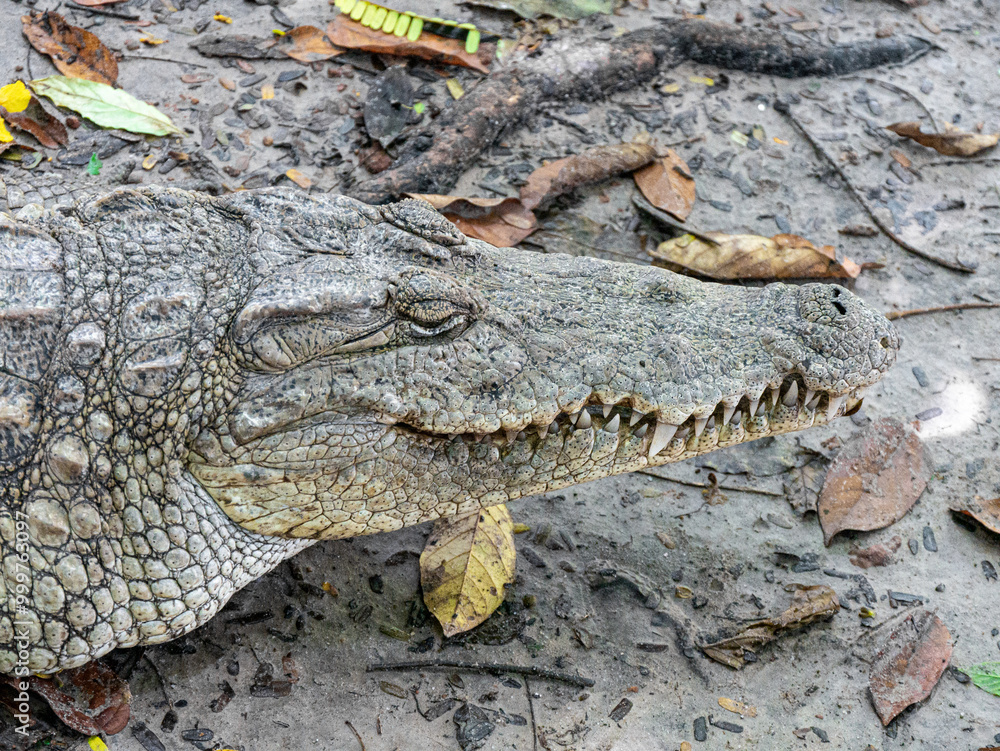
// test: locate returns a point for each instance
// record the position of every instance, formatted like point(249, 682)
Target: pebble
point(989, 571)
point(783, 224)
point(929, 414)
point(921, 375)
point(290, 75)
point(252, 80)
point(914, 545)
point(930, 543)
point(701, 729)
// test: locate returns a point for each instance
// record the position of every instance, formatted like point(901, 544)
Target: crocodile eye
point(433, 303)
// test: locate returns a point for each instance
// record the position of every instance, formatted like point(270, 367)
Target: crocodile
point(195, 388)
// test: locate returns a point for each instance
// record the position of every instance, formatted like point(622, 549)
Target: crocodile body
point(193, 389)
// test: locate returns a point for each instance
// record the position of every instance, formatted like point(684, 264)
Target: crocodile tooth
point(661, 437)
point(761, 410)
point(511, 435)
point(699, 425)
point(613, 424)
point(737, 417)
point(522, 436)
point(553, 427)
point(728, 410)
point(792, 397)
point(772, 395)
point(636, 416)
point(607, 410)
point(574, 417)
point(836, 402)
point(584, 422)
point(810, 397)
point(753, 406)
point(641, 430)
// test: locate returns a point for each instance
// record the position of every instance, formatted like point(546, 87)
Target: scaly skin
point(193, 389)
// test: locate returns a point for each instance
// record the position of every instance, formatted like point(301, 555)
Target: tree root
point(434, 159)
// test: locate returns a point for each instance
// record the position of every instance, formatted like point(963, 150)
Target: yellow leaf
point(702, 80)
point(5, 136)
point(96, 744)
point(465, 566)
point(454, 88)
point(267, 91)
point(299, 178)
point(221, 18)
point(152, 41)
point(737, 707)
point(15, 97)
point(149, 162)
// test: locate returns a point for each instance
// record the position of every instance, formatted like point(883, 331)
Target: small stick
point(706, 486)
point(953, 265)
point(103, 11)
point(985, 359)
point(356, 734)
point(531, 710)
point(897, 314)
point(566, 121)
point(164, 60)
point(490, 668)
point(665, 218)
point(899, 90)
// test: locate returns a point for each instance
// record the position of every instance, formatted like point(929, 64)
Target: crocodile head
point(384, 371)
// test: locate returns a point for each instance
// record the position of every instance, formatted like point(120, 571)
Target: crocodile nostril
point(839, 306)
point(884, 341)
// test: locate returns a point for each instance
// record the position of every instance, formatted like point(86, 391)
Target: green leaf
point(986, 675)
point(418, 107)
point(571, 9)
point(94, 165)
point(104, 105)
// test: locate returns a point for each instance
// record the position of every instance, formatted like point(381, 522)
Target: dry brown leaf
point(953, 142)
point(874, 480)
point(503, 222)
point(809, 604)
point(307, 44)
point(909, 663)
point(986, 513)
point(36, 120)
point(74, 51)
point(354, 36)
point(593, 165)
point(737, 707)
point(879, 554)
point(465, 567)
point(754, 257)
point(668, 185)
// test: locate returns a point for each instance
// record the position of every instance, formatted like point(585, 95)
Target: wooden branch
point(433, 159)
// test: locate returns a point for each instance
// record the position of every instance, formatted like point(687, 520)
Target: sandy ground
point(817, 678)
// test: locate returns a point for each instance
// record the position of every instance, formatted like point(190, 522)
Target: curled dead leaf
point(668, 184)
point(753, 257)
point(809, 605)
point(307, 44)
point(590, 166)
point(503, 222)
point(465, 567)
point(986, 513)
point(874, 480)
point(344, 33)
point(37, 121)
point(909, 663)
point(953, 142)
point(75, 52)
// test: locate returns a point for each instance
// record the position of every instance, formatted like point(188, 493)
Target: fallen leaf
point(953, 142)
point(344, 33)
point(105, 106)
point(592, 165)
point(299, 178)
point(503, 222)
point(388, 105)
point(267, 91)
point(94, 165)
point(874, 480)
point(753, 257)
point(221, 18)
point(668, 185)
point(91, 699)
point(466, 565)
point(986, 675)
point(986, 513)
point(307, 44)
point(152, 41)
point(737, 707)
point(571, 9)
point(908, 664)
point(879, 554)
point(454, 88)
point(74, 51)
point(809, 604)
point(34, 119)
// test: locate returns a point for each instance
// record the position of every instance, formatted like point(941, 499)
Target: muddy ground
point(816, 679)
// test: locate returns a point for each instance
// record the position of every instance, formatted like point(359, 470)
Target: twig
point(490, 668)
point(899, 90)
point(164, 60)
point(897, 314)
point(103, 11)
point(665, 218)
point(985, 359)
point(690, 513)
point(356, 734)
point(566, 121)
point(706, 486)
point(159, 676)
point(953, 265)
point(955, 162)
point(531, 710)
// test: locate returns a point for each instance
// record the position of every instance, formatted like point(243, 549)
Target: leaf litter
point(75, 52)
point(504, 222)
point(953, 142)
